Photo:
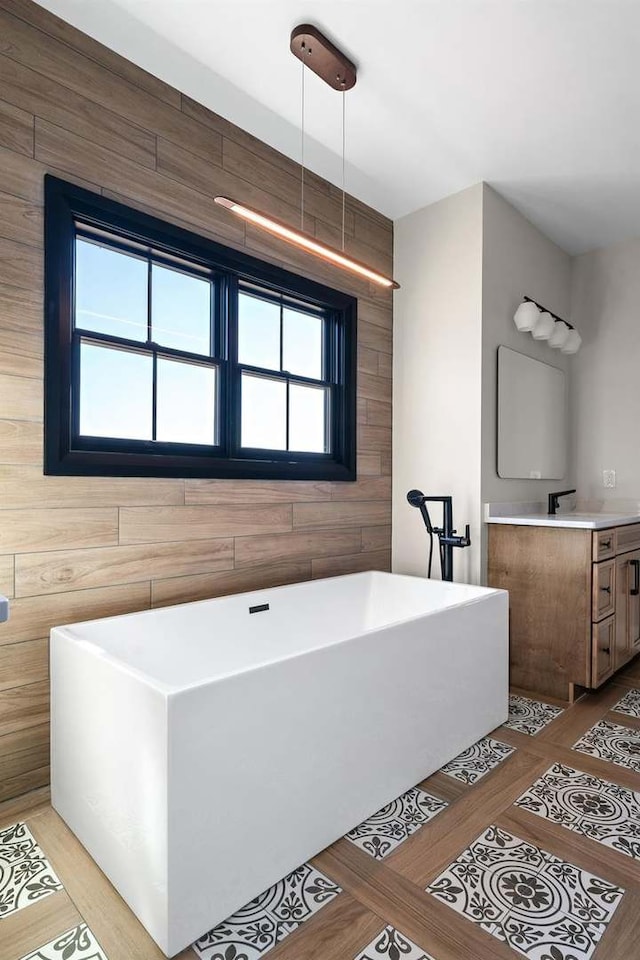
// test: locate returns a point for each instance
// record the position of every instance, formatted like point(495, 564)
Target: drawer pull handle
point(606, 589)
point(606, 650)
point(635, 590)
point(606, 544)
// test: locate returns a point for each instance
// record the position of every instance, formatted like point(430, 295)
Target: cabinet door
point(604, 589)
point(634, 603)
point(602, 650)
point(627, 607)
point(623, 571)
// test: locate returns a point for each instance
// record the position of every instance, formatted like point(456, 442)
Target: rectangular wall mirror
point(532, 418)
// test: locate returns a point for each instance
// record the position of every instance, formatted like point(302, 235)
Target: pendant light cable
point(302, 153)
point(343, 155)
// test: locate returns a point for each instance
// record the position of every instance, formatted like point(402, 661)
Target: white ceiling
point(541, 98)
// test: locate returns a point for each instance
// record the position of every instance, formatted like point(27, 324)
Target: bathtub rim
point(169, 691)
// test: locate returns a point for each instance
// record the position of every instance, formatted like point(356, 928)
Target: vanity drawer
point(603, 646)
point(627, 538)
point(604, 544)
point(604, 589)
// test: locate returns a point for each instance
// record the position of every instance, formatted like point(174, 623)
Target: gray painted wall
point(606, 380)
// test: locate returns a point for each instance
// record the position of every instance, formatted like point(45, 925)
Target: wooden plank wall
point(76, 548)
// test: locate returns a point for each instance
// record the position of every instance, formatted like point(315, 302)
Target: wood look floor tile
point(25, 931)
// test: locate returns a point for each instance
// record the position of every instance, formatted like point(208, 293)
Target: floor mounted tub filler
point(201, 752)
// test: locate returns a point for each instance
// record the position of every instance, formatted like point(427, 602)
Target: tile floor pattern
point(389, 827)
point(588, 805)
point(629, 704)
point(266, 921)
point(541, 906)
point(530, 716)
point(392, 945)
point(612, 742)
point(76, 944)
point(472, 764)
point(25, 873)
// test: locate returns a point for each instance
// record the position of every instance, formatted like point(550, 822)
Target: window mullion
point(154, 412)
point(287, 433)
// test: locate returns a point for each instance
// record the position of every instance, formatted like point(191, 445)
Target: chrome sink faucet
point(554, 500)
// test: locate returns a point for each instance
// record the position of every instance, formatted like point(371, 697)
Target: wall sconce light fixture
point(531, 317)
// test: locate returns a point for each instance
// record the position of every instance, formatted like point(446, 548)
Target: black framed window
point(167, 354)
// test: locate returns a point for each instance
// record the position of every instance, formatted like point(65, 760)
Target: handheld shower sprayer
point(447, 538)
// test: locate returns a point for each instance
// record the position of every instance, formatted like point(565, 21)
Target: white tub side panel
point(108, 773)
point(268, 768)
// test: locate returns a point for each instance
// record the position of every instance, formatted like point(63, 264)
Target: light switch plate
point(608, 478)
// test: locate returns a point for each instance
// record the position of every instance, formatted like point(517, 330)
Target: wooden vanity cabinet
point(574, 602)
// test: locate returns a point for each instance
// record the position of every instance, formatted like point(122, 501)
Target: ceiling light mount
point(317, 52)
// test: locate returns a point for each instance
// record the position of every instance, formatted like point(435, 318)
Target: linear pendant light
point(304, 240)
point(314, 50)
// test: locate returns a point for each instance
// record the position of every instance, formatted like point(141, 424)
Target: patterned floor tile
point(389, 827)
point(76, 944)
point(629, 704)
point(543, 907)
point(530, 716)
point(478, 760)
point(253, 930)
point(392, 945)
point(612, 742)
point(588, 805)
point(25, 873)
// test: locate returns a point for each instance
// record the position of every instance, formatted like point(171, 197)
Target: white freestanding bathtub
point(201, 752)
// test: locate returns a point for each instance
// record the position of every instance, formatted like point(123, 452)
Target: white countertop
point(534, 514)
point(580, 521)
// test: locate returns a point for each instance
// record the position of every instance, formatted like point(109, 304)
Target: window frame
point(71, 211)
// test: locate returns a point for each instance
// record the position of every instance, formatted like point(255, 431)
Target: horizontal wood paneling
point(21, 398)
point(23, 707)
point(367, 488)
point(20, 441)
point(26, 488)
point(316, 516)
point(61, 106)
point(256, 491)
point(369, 464)
point(21, 265)
point(31, 780)
point(16, 129)
point(253, 551)
point(33, 617)
point(376, 538)
point(61, 30)
point(23, 531)
point(20, 220)
point(356, 563)
point(23, 663)
point(84, 547)
point(6, 576)
point(186, 589)
point(23, 751)
point(155, 525)
point(63, 570)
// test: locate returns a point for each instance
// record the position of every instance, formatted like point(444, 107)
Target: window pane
point(302, 344)
point(258, 332)
point(180, 310)
point(307, 413)
point(116, 393)
point(111, 291)
point(264, 413)
point(186, 402)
